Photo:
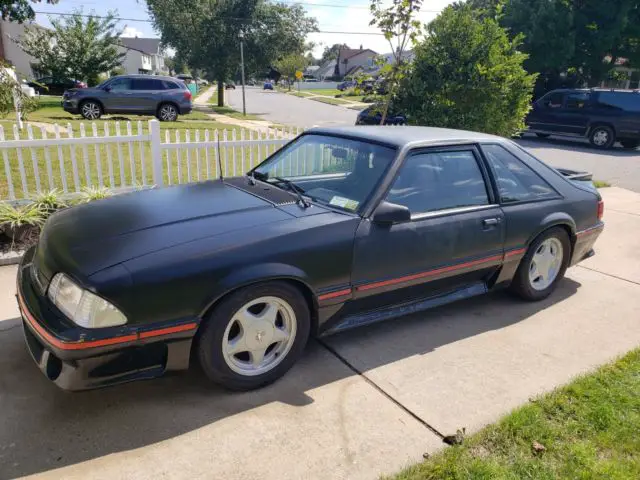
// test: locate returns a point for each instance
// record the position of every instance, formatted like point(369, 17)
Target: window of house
point(578, 100)
point(516, 181)
point(429, 182)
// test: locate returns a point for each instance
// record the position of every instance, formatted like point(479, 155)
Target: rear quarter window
point(620, 101)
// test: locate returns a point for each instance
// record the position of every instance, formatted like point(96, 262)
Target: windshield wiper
point(260, 176)
point(295, 189)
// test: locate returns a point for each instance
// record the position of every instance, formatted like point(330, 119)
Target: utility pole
point(244, 102)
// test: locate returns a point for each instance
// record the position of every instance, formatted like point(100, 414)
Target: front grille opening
point(132, 359)
point(53, 367)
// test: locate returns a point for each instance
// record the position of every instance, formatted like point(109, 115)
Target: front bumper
point(75, 358)
point(70, 106)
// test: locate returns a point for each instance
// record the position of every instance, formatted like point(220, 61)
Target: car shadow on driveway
point(42, 427)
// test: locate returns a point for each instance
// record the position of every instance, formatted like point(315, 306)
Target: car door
point(573, 117)
point(118, 96)
point(453, 240)
point(544, 115)
point(148, 93)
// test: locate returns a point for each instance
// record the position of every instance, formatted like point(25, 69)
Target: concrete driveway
point(362, 404)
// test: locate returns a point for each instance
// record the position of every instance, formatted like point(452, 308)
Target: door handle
point(490, 222)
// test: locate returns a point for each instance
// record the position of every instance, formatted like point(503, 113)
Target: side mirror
point(390, 213)
point(107, 88)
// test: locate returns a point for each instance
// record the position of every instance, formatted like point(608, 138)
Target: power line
point(122, 19)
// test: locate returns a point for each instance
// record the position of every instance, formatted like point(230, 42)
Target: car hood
point(86, 239)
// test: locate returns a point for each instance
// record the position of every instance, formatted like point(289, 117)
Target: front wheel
point(91, 110)
point(254, 336)
point(543, 266)
point(602, 137)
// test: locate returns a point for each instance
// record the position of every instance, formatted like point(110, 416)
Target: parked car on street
point(346, 85)
point(373, 115)
point(267, 86)
point(164, 97)
point(370, 224)
point(55, 86)
point(604, 116)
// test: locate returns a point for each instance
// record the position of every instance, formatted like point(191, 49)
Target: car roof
point(139, 75)
point(400, 136)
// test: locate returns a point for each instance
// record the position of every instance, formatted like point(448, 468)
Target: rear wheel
point(167, 112)
point(254, 336)
point(91, 110)
point(543, 266)
point(602, 136)
point(630, 144)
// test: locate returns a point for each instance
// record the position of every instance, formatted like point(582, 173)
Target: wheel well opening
point(601, 124)
point(85, 100)
point(306, 292)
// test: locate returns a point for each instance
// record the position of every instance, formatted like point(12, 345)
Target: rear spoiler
point(573, 175)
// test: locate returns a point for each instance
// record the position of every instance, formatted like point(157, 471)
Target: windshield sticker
point(344, 203)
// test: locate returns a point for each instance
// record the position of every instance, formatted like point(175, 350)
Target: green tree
point(207, 33)
point(78, 47)
point(290, 64)
point(401, 28)
point(19, 10)
point(467, 74)
point(332, 52)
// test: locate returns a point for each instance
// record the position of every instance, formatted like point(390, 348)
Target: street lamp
point(244, 105)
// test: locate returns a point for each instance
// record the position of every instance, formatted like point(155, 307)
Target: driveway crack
point(406, 409)
point(609, 275)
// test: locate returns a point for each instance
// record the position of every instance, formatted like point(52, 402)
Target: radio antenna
point(219, 159)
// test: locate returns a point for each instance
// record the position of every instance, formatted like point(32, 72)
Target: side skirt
point(402, 309)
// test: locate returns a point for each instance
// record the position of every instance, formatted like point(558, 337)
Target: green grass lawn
point(330, 101)
point(330, 92)
point(135, 166)
point(590, 429)
point(230, 112)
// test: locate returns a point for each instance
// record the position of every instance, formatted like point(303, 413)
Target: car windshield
point(335, 171)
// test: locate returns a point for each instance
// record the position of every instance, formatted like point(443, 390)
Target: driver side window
point(120, 84)
point(429, 182)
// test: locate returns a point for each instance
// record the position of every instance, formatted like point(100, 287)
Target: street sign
point(299, 75)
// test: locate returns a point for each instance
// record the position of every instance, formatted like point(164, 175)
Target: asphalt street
point(617, 166)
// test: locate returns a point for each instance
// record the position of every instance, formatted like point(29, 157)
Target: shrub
point(90, 194)
point(467, 74)
point(49, 202)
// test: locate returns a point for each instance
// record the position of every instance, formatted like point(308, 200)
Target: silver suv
point(164, 97)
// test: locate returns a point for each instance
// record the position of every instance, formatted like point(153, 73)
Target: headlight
point(81, 306)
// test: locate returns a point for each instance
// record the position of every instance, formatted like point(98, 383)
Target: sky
point(332, 15)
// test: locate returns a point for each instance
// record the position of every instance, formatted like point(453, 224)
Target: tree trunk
point(220, 93)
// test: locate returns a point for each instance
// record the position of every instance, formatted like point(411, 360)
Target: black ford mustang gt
point(340, 228)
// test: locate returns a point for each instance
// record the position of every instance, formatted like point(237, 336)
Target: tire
point(543, 135)
point(91, 110)
point(532, 289)
point(602, 136)
point(630, 144)
point(167, 112)
point(221, 331)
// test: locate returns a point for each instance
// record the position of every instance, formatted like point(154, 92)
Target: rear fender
point(556, 219)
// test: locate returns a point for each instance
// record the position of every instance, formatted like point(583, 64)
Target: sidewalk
point(371, 410)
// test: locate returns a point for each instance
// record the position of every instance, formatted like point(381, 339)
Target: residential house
point(143, 55)
point(327, 69)
point(351, 61)
point(622, 75)
point(11, 52)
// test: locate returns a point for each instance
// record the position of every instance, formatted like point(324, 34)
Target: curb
point(11, 258)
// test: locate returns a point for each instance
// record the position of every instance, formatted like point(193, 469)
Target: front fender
point(254, 274)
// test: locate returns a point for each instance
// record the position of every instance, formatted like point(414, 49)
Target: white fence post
point(156, 152)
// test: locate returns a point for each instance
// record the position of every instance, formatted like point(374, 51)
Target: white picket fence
point(37, 160)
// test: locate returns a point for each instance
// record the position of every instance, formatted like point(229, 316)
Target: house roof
point(146, 45)
point(347, 53)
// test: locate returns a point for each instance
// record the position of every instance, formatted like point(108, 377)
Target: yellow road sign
point(299, 74)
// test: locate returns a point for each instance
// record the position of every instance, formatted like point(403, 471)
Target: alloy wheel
point(601, 138)
point(168, 113)
point(546, 264)
point(91, 111)
point(259, 336)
